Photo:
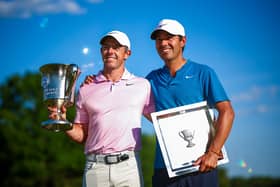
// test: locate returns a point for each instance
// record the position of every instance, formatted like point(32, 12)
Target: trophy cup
point(187, 135)
point(58, 82)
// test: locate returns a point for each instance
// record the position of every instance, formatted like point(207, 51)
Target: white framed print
point(184, 134)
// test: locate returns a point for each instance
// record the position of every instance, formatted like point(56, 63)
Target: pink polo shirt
point(113, 112)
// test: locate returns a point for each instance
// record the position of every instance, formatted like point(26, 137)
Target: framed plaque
point(184, 134)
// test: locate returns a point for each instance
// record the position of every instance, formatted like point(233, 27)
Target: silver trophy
point(188, 136)
point(58, 82)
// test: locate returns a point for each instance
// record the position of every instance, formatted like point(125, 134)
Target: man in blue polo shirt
point(180, 82)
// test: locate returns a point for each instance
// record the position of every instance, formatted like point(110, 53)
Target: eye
point(107, 47)
point(169, 36)
point(115, 47)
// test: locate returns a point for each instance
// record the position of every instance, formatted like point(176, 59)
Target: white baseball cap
point(121, 37)
point(169, 25)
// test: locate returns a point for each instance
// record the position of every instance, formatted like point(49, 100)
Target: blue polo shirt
point(192, 83)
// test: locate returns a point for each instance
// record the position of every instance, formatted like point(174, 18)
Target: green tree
point(30, 155)
point(261, 181)
point(147, 158)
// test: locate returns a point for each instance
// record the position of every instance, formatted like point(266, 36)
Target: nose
point(110, 50)
point(162, 42)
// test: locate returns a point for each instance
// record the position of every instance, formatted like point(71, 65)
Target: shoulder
point(201, 68)
point(89, 82)
point(153, 73)
point(199, 65)
point(139, 80)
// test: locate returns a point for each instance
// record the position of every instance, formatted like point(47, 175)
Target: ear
point(183, 41)
point(127, 54)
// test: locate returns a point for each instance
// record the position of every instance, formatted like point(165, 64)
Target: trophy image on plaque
point(58, 83)
point(187, 135)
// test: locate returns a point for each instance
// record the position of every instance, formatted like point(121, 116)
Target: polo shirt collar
point(125, 76)
point(184, 68)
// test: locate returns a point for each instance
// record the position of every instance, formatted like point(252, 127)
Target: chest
point(178, 91)
point(115, 96)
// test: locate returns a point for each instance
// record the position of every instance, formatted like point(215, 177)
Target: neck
point(175, 65)
point(113, 74)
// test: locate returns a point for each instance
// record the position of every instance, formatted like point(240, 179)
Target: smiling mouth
point(110, 57)
point(165, 50)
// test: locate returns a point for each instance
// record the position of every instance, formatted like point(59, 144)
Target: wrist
point(217, 153)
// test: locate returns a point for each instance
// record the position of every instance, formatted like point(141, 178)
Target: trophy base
point(57, 125)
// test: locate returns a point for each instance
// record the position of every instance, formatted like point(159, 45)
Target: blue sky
point(239, 39)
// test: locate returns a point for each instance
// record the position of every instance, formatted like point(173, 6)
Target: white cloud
point(257, 110)
point(255, 93)
point(257, 100)
point(28, 8)
point(87, 67)
point(262, 108)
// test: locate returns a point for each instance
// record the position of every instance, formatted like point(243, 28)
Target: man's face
point(113, 54)
point(169, 46)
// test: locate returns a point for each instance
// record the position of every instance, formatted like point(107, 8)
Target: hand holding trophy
point(58, 82)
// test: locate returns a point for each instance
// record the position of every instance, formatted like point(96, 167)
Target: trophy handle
point(181, 135)
point(73, 72)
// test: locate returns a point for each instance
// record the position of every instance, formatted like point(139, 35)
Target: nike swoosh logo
point(189, 76)
point(129, 84)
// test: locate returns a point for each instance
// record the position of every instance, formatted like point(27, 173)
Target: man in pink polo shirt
point(108, 118)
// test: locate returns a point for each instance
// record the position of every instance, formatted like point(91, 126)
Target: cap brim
point(108, 36)
point(153, 35)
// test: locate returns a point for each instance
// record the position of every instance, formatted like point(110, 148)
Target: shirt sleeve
point(81, 112)
point(213, 88)
point(150, 103)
